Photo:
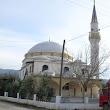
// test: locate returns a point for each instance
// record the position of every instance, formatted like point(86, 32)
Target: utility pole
point(60, 85)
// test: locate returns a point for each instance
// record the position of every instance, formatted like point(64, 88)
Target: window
point(26, 73)
point(30, 69)
point(74, 91)
point(66, 69)
point(45, 67)
point(83, 71)
point(81, 89)
point(86, 89)
point(66, 87)
point(92, 29)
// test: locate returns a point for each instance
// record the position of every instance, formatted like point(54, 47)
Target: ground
point(13, 106)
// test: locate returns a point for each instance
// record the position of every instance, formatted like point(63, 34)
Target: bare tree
point(86, 69)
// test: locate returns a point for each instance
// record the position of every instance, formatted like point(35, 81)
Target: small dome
point(47, 46)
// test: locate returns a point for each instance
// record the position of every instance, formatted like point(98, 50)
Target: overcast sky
point(24, 23)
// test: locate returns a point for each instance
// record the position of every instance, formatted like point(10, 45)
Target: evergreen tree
point(27, 87)
point(44, 92)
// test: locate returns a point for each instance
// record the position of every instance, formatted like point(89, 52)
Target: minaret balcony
point(94, 35)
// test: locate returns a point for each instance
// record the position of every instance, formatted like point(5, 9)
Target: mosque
point(45, 59)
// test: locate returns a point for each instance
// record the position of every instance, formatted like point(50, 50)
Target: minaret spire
point(94, 21)
point(94, 15)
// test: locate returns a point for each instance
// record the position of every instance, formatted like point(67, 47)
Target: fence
point(75, 100)
point(52, 105)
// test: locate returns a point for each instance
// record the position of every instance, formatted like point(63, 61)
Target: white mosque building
point(45, 59)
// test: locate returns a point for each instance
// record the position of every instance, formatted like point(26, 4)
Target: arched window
point(26, 73)
point(66, 69)
point(66, 86)
point(45, 67)
point(74, 91)
point(30, 69)
point(83, 71)
point(92, 29)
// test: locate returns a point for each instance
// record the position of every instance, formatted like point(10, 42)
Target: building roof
point(47, 46)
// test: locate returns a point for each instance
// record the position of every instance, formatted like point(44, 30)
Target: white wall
point(49, 105)
point(53, 67)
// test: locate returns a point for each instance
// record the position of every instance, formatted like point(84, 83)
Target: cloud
point(13, 46)
point(28, 22)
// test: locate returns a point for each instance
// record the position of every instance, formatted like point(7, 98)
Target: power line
point(97, 7)
point(16, 46)
point(85, 3)
point(78, 4)
point(105, 6)
point(77, 37)
point(13, 41)
point(87, 33)
point(82, 35)
point(86, 7)
point(105, 27)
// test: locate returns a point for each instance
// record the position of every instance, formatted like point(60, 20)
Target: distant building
point(45, 59)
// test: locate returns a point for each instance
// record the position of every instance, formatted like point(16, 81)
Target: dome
point(48, 49)
point(47, 46)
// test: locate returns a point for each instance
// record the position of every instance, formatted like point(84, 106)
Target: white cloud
point(13, 46)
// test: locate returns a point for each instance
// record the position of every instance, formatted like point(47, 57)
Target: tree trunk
point(83, 94)
point(84, 90)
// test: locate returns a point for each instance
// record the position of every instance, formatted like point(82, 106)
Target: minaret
point(94, 38)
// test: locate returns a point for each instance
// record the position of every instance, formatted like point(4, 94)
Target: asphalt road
point(12, 106)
